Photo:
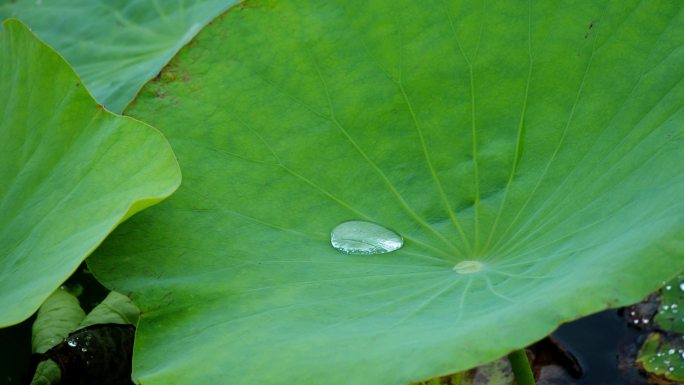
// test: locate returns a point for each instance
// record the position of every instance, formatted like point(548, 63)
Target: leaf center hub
point(468, 267)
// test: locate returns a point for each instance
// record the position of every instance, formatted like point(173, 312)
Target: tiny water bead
point(363, 237)
point(468, 267)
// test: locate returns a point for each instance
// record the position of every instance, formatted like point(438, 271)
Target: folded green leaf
point(116, 308)
point(47, 373)
point(60, 315)
point(71, 171)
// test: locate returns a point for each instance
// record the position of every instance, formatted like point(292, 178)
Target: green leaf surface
point(528, 154)
point(115, 46)
point(59, 315)
point(71, 171)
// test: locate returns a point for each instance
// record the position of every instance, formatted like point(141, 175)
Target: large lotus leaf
point(542, 141)
point(71, 171)
point(115, 46)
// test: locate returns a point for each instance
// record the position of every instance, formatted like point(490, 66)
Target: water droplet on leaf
point(362, 237)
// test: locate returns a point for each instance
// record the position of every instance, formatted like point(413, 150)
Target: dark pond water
point(605, 348)
point(15, 350)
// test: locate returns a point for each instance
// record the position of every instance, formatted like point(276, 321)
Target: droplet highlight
point(363, 237)
point(468, 267)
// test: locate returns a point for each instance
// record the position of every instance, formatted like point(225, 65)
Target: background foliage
point(115, 46)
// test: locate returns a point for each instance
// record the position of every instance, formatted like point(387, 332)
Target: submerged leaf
point(663, 356)
point(97, 354)
point(71, 171)
point(536, 147)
